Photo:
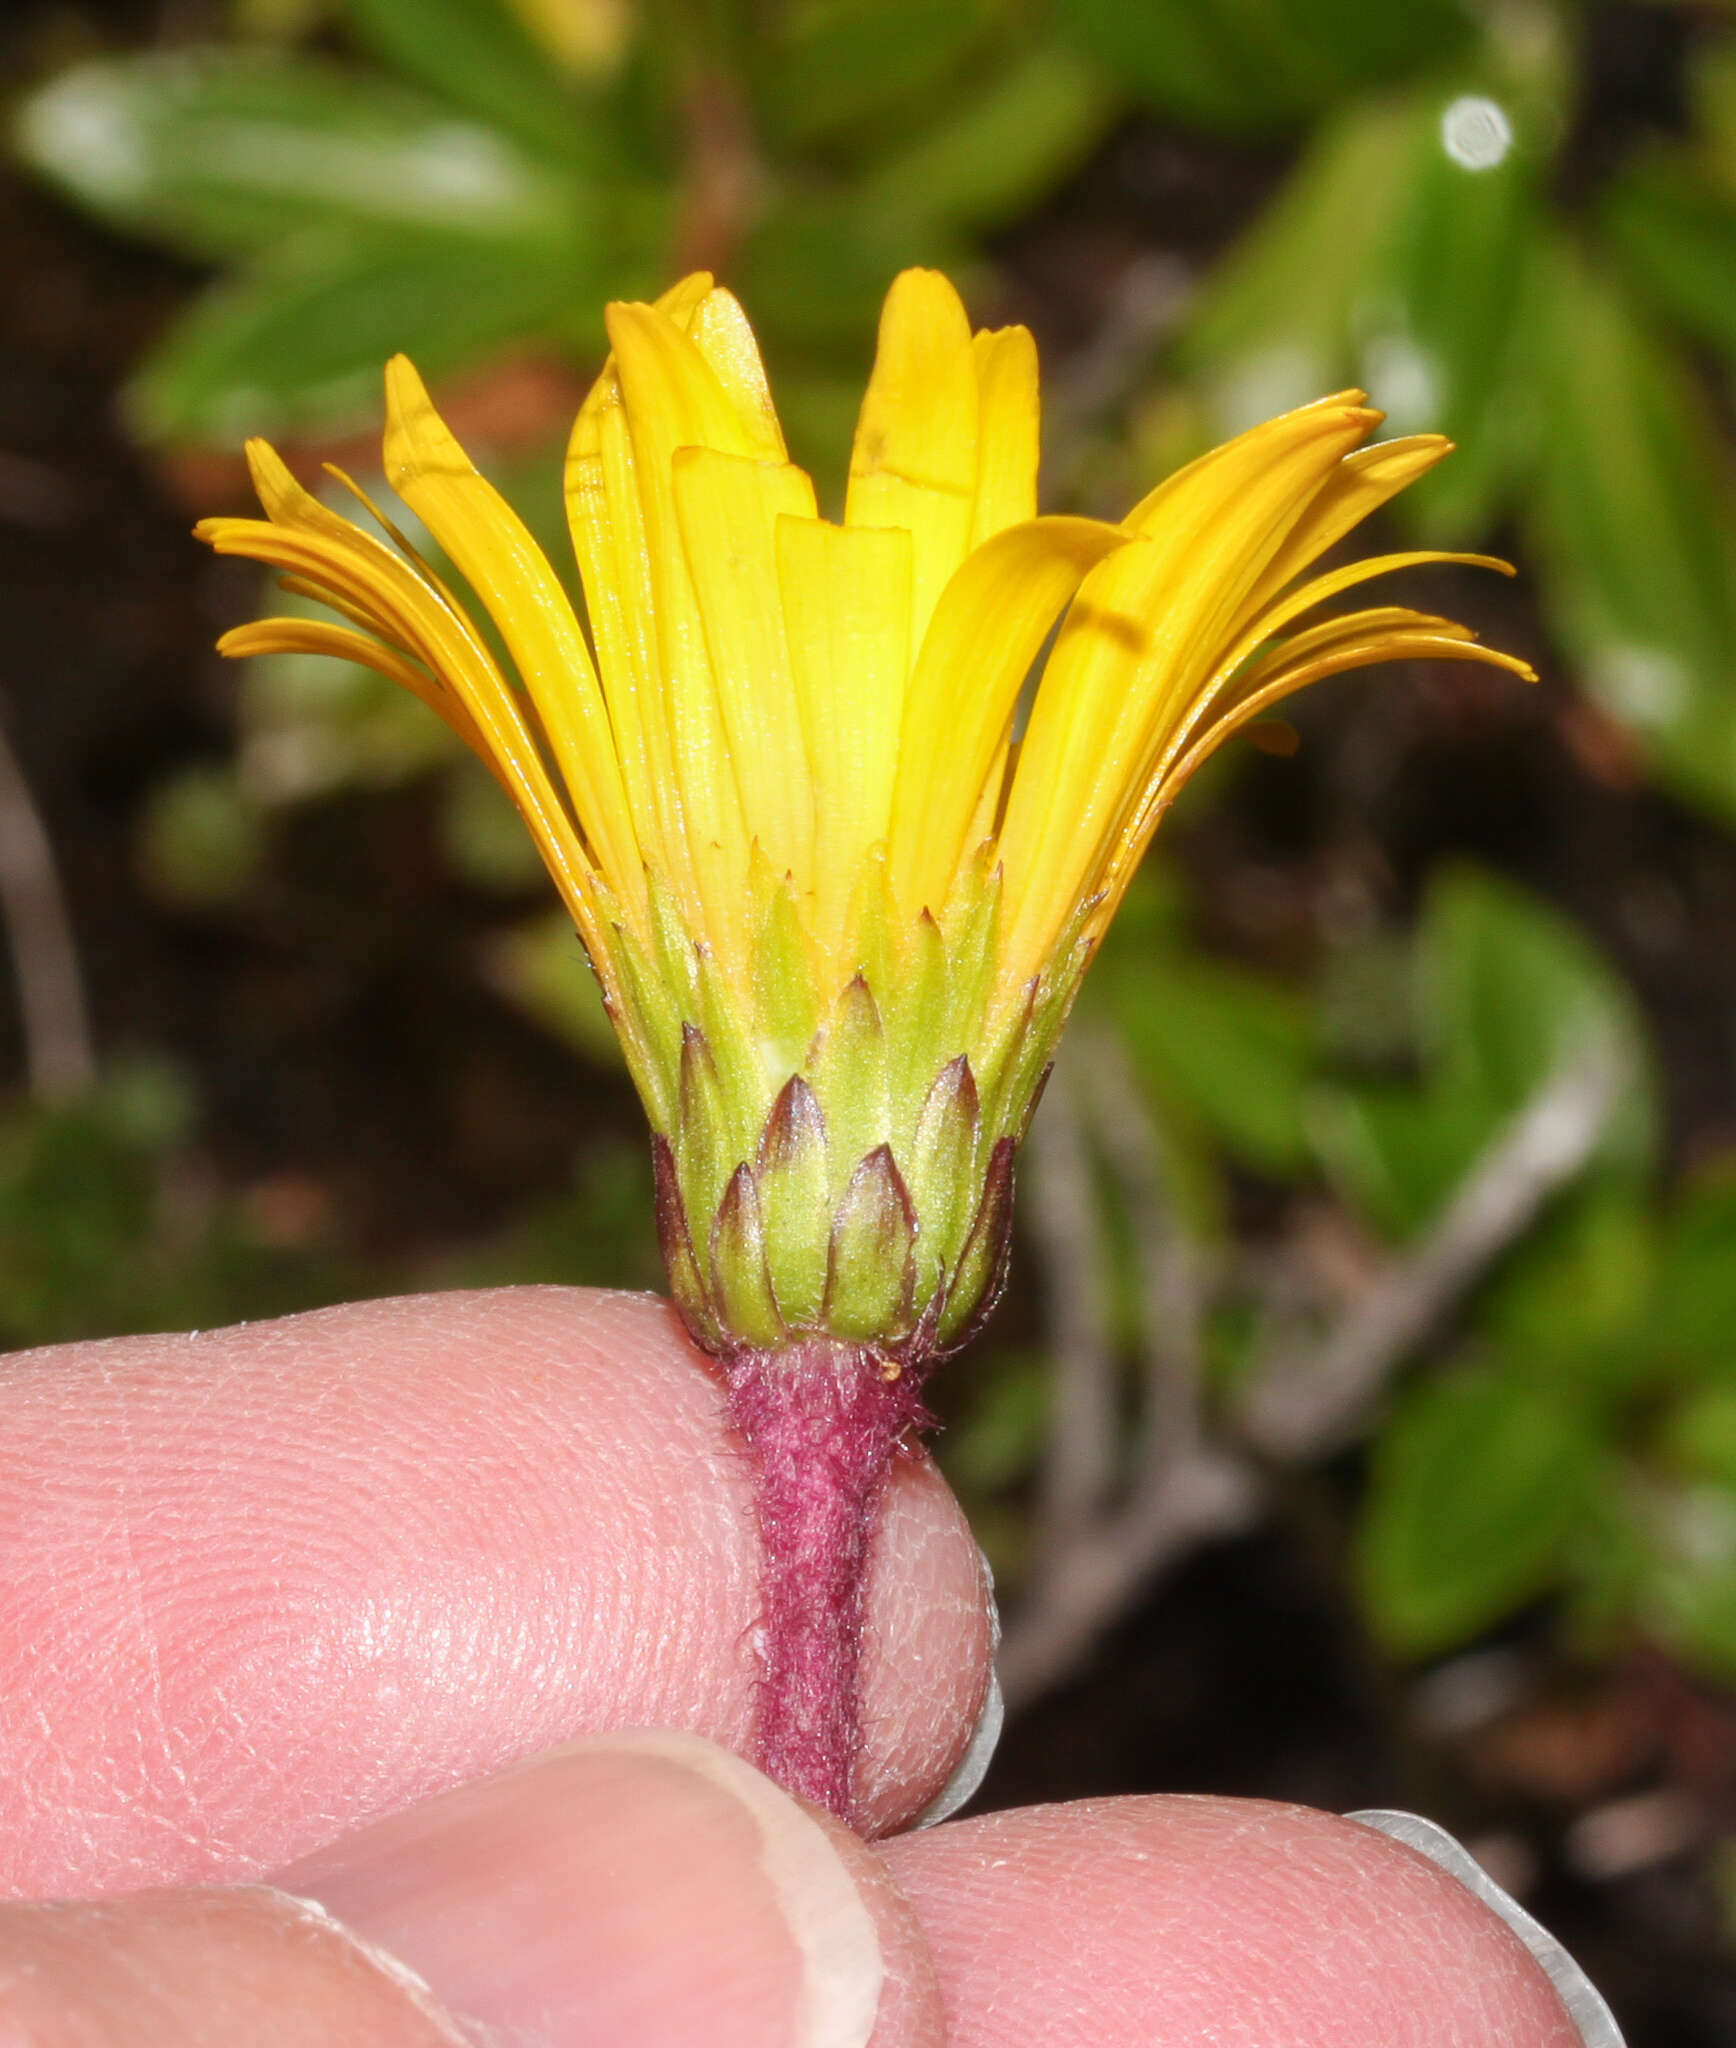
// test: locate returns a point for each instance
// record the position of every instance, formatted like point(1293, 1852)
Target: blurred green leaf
point(599, 1233)
point(1438, 315)
point(222, 151)
point(1234, 1046)
point(1691, 1322)
point(484, 835)
point(1228, 1048)
point(836, 67)
point(1573, 1301)
point(1509, 989)
point(1677, 237)
point(1272, 328)
point(1687, 1590)
point(297, 342)
point(995, 1443)
point(998, 151)
point(1244, 65)
point(817, 266)
point(1506, 992)
point(541, 967)
point(1478, 1481)
point(200, 838)
point(1712, 95)
point(481, 56)
point(1632, 522)
point(1697, 1438)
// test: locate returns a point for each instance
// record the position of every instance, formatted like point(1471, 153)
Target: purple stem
point(821, 1420)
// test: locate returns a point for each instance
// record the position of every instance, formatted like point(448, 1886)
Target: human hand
point(284, 1605)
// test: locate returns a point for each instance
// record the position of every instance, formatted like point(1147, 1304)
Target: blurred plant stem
point(1107, 1522)
point(59, 1057)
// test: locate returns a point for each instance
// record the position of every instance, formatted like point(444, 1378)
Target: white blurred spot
point(1259, 386)
point(1476, 133)
point(1404, 381)
point(1646, 685)
point(1469, 1693)
point(84, 126)
point(1626, 1835)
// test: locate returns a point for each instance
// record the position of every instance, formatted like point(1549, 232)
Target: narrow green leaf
point(834, 68)
point(994, 155)
point(1272, 328)
point(1676, 234)
point(1242, 65)
point(220, 152)
point(1691, 1322)
point(1478, 1482)
point(1573, 1304)
point(1633, 524)
point(1507, 991)
point(1438, 317)
point(296, 344)
point(479, 55)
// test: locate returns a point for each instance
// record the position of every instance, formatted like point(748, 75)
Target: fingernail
point(1583, 2000)
point(645, 1887)
point(971, 1768)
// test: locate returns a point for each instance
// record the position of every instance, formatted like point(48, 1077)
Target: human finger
point(1212, 1923)
point(644, 1887)
point(258, 1585)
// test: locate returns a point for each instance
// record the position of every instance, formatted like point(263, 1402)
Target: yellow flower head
point(838, 902)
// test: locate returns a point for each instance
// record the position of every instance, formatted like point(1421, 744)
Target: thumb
point(645, 1887)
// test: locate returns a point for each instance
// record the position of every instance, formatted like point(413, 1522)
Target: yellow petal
point(723, 337)
point(846, 593)
point(1010, 416)
point(668, 386)
point(728, 507)
point(1266, 624)
point(671, 399)
point(1147, 628)
point(607, 525)
point(914, 462)
point(987, 629)
point(1331, 654)
point(1361, 484)
point(418, 619)
point(318, 636)
point(508, 571)
point(1356, 641)
point(608, 535)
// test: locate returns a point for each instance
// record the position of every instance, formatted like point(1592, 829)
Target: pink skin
point(307, 1589)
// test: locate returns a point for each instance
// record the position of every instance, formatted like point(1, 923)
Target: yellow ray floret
point(763, 693)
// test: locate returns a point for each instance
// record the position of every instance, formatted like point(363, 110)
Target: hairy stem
point(821, 1420)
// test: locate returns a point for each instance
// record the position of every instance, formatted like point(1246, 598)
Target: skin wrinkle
point(440, 1534)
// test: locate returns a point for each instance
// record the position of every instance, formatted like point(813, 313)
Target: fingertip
point(403, 1543)
point(1111, 1923)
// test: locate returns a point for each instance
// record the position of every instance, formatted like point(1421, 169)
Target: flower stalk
point(840, 811)
point(822, 1421)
